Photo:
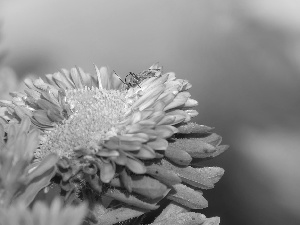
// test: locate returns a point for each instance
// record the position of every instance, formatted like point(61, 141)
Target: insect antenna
point(124, 82)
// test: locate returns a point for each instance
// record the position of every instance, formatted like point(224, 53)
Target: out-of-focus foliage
point(42, 214)
point(20, 178)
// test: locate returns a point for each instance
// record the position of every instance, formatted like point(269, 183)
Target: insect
point(133, 79)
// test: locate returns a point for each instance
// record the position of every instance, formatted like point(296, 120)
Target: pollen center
point(95, 117)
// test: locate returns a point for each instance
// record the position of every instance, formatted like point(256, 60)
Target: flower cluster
point(128, 141)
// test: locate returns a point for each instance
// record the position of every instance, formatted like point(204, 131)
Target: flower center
point(95, 117)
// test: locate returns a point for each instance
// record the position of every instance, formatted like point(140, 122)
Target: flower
point(20, 179)
point(131, 141)
point(41, 214)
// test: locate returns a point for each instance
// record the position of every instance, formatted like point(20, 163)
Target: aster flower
point(129, 141)
point(41, 214)
point(20, 178)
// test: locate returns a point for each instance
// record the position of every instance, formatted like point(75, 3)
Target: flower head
point(115, 135)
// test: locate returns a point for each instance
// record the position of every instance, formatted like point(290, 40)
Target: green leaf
point(109, 217)
point(204, 178)
point(135, 166)
point(178, 156)
point(194, 146)
point(145, 186)
point(213, 139)
point(188, 197)
point(130, 199)
point(170, 211)
point(188, 218)
point(212, 221)
point(191, 128)
point(219, 150)
point(167, 177)
point(42, 118)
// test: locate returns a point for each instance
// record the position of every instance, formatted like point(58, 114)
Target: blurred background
point(241, 56)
